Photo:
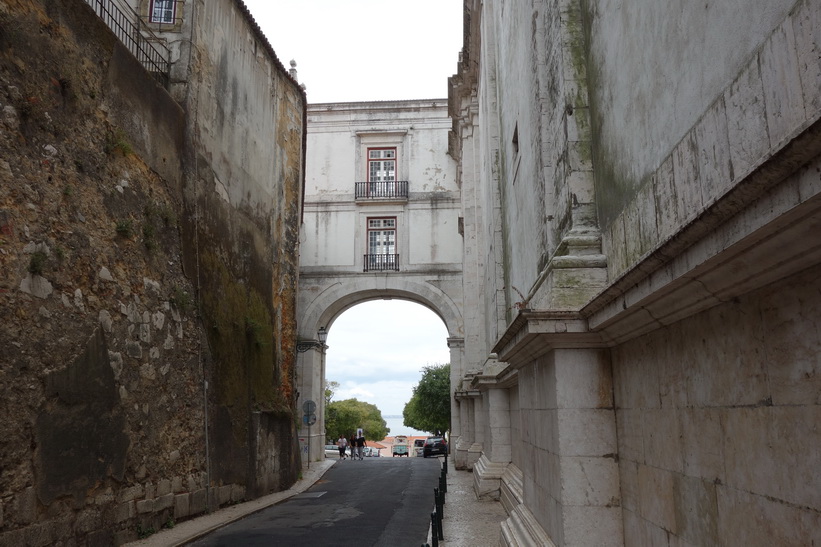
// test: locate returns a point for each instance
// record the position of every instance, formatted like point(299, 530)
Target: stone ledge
point(521, 528)
point(487, 478)
point(512, 490)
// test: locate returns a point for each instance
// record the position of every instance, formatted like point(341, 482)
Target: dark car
point(434, 446)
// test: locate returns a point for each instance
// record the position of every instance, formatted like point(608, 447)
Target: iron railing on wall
point(149, 49)
point(381, 263)
point(381, 190)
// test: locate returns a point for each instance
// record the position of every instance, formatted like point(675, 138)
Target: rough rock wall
point(100, 379)
point(104, 356)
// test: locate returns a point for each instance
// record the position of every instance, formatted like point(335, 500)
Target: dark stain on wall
point(80, 434)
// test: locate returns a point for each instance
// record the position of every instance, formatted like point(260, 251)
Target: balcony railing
point(135, 35)
point(381, 263)
point(394, 189)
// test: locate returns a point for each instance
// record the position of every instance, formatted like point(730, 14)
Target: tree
point(330, 389)
point(429, 407)
point(345, 417)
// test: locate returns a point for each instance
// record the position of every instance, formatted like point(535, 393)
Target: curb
point(193, 529)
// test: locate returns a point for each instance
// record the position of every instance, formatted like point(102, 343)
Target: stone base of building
point(473, 455)
point(487, 478)
point(460, 454)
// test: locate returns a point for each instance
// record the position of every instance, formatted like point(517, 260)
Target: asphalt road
point(372, 502)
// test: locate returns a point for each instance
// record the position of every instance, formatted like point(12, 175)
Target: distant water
point(397, 428)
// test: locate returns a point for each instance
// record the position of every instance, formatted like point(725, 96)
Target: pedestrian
point(360, 445)
point(342, 444)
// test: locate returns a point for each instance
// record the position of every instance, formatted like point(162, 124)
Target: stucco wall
point(718, 423)
point(246, 121)
point(335, 224)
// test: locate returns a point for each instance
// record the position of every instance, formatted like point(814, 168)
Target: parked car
point(371, 452)
point(331, 451)
point(418, 445)
point(434, 446)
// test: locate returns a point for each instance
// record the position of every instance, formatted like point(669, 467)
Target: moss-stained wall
point(246, 125)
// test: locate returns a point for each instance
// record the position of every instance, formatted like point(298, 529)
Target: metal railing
point(381, 190)
point(147, 48)
point(381, 263)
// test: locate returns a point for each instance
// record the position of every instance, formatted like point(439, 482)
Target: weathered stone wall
point(718, 423)
point(101, 378)
point(679, 151)
point(666, 154)
point(107, 230)
point(645, 108)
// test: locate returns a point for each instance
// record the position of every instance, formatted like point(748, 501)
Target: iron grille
point(382, 190)
point(381, 263)
point(135, 35)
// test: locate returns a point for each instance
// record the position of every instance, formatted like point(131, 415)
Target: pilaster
point(310, 364)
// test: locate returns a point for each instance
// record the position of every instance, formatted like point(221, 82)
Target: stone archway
point(323, 299)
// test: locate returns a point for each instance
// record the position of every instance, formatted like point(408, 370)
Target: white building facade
point(381, 221)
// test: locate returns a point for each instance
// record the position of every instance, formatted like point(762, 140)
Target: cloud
point(365, 50)
point(376, 351)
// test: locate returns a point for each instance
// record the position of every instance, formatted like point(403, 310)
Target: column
point(479, 424)
point(457, 353)
point(311, 386)
point(576, 496)
point(496, 456)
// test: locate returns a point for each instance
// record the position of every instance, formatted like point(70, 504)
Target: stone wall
point(718, 423)
point(647, 187)
point(105, 227)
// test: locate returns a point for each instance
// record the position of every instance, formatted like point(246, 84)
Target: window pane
point(162, 11)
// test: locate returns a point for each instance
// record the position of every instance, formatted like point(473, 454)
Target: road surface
point(372, 502)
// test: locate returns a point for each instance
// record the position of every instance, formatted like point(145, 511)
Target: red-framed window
point(381, 254)
point(382, 164)
point(382, 236)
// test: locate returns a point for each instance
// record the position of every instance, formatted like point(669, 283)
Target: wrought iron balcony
point(393, 189)
point(381, 263)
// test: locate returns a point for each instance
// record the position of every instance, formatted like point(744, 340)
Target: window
point(162, 11)
point(381, 245)
point(381, 164)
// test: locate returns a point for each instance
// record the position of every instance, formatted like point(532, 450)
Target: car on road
point(371, 452)
point(331, 451)
point(434, 446)
point(400, 446)
point(418, 445)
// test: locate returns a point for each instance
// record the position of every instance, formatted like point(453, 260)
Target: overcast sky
point(365, 50)
point(372, 50)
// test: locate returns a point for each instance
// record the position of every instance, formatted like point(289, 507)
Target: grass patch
point(149, 232)
point(180, 299)
point(37, 263)
point(124, 228)
point(117, 142)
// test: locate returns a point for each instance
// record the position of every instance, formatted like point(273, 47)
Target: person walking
point(360, 445)
point(342, 444)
